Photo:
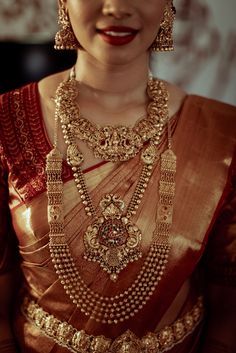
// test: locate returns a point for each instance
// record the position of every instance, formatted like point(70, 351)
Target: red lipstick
point(117, 35)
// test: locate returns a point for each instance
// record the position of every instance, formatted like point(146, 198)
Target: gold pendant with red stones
point(112, 240)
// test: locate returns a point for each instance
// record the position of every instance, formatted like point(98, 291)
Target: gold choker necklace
point(111, 143)
point(112, 240)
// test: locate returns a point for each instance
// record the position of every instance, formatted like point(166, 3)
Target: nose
point(117, 8)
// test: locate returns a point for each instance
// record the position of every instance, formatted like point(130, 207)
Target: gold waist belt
point(78, 341)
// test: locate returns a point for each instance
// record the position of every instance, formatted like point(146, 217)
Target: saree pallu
point(204, 134)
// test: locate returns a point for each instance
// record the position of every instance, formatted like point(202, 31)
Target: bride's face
point(115, 31)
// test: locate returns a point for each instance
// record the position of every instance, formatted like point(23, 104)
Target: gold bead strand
point(119, 303)
point(152, 271)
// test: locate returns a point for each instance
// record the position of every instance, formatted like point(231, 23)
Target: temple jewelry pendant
point(112, 240)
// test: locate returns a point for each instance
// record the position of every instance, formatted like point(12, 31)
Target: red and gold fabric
point(203, 236)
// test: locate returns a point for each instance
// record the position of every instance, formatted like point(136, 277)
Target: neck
point(112, 84)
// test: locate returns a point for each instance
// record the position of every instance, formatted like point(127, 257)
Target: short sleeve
point(220, 257)
point(8, 241)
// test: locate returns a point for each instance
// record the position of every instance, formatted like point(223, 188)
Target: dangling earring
point(65, 37)
point(164, 39)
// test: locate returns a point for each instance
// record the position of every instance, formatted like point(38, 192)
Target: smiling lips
point(117, 35)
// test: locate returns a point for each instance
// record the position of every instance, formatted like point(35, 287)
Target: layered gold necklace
point(112, 239)
point(112, 143)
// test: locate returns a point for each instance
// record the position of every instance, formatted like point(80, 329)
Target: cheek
point(155, 11)
point(83, 15)
point(78, 21)
point(154, 16)
point(77, 12)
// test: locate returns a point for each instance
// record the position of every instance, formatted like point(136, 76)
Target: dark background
point(24, 63)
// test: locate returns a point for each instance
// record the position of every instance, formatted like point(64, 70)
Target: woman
point(120, 190)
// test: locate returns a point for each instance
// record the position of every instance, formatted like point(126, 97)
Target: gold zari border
point(77, 341)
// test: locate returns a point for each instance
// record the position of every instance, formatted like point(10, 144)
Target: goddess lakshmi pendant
point(112, 240)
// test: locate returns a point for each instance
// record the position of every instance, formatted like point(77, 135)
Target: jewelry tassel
point(55, 193)
point(55, 197)
point(166, 190)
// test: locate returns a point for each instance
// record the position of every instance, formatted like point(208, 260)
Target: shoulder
point(19, 104)
point(212, 106)
point(212, 124)
point(19, 113)
point(202, 111)
point(13, 110)
point(210, 114)
point(196, 111)
point(179, 98)
point(48, 85)
point(15, 105)
point(46, 90)
point(17, 94)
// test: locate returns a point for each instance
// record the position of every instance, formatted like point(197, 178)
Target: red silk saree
point(203, 237)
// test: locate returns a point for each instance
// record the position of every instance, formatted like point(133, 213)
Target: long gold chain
point(112, 240)
point(127, 303)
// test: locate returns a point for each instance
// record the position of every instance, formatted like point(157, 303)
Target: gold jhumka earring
point(164, 39)
point(65, 38)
